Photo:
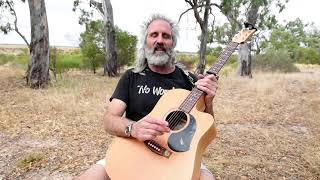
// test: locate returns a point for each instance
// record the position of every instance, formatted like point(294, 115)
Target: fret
point(191, 100)
point(215, 70)
point(220, 63)
point(223, 57)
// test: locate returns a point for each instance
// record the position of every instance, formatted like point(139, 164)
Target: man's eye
point(154, 35)
point(166, 36)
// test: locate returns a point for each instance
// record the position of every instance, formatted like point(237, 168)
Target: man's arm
point(114, 123)
point(144, 129)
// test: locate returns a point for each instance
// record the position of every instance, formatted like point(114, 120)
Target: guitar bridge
point(157, 148)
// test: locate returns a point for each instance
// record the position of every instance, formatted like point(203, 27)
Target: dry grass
point(268, 126)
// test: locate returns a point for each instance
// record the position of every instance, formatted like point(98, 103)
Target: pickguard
point(180, 141)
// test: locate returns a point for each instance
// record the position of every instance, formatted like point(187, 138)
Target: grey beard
point(157, 59)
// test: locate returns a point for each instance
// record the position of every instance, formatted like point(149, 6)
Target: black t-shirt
point(141, 91)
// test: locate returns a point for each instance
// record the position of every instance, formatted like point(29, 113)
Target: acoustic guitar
point(176, 155)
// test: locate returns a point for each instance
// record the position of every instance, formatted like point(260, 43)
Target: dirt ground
point(268, 126)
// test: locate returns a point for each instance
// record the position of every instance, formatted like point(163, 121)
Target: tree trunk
point(111, 64)
point(203, 47)
point(93, 65)
point(39, 61)
point(204, 39)
point(244, 60)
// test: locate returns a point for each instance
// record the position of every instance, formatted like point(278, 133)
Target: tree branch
point(198, 6)
point(15, 24)
point(97, 5)
point(217, 5)
point(183, 14)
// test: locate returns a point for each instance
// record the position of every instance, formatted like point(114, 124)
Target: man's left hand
point(209, 85)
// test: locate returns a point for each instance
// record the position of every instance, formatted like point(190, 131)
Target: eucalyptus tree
point(92, 45)
point(37, 75)
point(106, 11)
point(39, 60)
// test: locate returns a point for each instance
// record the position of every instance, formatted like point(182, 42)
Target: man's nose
point(159, 39)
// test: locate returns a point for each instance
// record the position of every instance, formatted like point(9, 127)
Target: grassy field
point(66, 58)
point(268, 126)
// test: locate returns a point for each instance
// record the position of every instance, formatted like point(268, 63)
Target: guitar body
point(129, 158)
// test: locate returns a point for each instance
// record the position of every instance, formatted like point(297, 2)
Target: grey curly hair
point(141, 61)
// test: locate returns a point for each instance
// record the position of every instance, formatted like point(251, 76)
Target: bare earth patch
point(268, 126)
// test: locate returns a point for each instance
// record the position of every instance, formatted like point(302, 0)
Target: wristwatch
point(128, 130)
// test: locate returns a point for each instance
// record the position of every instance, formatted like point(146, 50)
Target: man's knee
point(205, 174)
point(96, 172)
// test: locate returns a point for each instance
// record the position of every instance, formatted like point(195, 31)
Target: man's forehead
point(159, 25)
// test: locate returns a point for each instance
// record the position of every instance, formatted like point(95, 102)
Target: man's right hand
point(149, 128)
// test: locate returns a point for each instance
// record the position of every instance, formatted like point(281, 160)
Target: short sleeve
point(122, 90)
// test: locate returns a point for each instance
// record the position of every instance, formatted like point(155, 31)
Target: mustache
point(160, 47)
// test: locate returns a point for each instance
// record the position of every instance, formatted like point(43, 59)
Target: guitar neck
point(223, 58)
point(196, 93)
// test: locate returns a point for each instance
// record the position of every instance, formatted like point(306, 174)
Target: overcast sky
point(128, 15)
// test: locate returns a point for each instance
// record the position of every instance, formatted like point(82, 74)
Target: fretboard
point(196, 93)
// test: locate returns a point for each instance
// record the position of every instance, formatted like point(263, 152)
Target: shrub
point(94, 62)
point(62, 61)
point(274, 61)
point(5, 58)
point(187, 60)
point(68, 61)
point(210, 59)
point(308, 56)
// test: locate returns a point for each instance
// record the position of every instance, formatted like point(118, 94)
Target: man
point(139, 90)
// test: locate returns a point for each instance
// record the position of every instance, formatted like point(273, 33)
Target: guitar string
point(174, 119)
point(177, 118)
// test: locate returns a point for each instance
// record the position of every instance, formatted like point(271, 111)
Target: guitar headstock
point(245, 34)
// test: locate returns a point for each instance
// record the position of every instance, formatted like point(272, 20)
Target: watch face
point(127, 130)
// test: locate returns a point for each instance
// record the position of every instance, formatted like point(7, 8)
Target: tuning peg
point(249, 26)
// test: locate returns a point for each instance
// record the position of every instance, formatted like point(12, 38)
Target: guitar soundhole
point(177, 120)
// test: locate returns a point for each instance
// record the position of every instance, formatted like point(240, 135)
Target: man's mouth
point(159, 49)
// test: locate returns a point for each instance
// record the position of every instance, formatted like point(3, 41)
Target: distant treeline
point(63, 60)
